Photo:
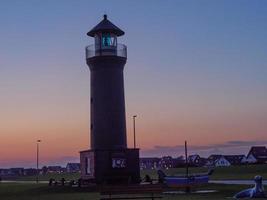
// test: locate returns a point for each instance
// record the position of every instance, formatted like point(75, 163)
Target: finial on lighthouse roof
point(105, 26)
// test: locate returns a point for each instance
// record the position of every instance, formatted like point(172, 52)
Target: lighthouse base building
point(110, 166)
point(109, 160)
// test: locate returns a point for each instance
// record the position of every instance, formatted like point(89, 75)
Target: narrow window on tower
point(91, 126)
point(88, 166)
point(91, 100)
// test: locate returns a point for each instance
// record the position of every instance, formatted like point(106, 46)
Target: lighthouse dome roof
point(105, 26)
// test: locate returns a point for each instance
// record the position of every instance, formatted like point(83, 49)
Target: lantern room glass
point(106, 45)
point(108, 40)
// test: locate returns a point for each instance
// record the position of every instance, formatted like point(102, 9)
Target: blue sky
point(196, 70)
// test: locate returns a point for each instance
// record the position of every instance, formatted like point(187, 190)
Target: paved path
point(236, 182)
point(30, 182)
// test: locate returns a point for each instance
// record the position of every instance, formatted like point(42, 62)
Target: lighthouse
point(108, 160)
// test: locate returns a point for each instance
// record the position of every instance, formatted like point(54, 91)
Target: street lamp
point(134, 130)
point(37, 161)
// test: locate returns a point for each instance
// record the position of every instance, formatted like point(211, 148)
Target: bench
point(150, 191)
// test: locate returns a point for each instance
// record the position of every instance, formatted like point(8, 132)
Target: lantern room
point(105, 35)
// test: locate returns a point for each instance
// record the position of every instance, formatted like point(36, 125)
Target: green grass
point(67, 176)
point(43, 192)
point(19, 191)
point(220, 173)
point(240, 172)
point(16, 191)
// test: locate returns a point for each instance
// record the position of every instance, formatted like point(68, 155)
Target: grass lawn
point(20, 191)
point(67, 176)
point(17, 191)
point(220, 173)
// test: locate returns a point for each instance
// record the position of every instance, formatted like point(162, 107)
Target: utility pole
point(134, 130)
point(37, 161)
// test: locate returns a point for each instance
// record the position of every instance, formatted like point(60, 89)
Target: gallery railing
point(119, 50)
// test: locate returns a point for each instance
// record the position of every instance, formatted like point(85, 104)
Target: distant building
point(4, 172)
point(222, 162)
point(244, 160)
point(193, 159)
point(29, 172)
point(179, 162)
point(217, 161)
point(16, 171)
point(235, 159)
point(202, 162)
point(149, 163)
point(73, 167)
point(257, 154)
point(196, 161)
point(211, 160)
point(166, 162)
point(55, 169)
point(225, 160)
point(44, 170)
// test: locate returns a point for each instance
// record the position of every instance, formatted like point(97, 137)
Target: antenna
point(105, 15)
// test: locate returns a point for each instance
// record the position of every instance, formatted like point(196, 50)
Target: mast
point(186, 158)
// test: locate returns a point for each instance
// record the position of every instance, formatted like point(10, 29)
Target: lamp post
point(134, 130)
point(37, 161)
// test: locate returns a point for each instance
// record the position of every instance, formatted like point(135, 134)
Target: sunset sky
point(196, 71)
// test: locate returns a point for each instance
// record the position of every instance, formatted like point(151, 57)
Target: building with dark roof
point(29, 172)
point(193, 159)
point(73, 167)
point(166, 162)
point(234, 159)
point(196, 161)
point(179, 162)
point(257, 154)
point(217, 161)
point(149, 163)
point(16, 171)
point(55, 169)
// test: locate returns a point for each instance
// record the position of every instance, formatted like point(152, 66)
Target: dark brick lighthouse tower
point(109, 160)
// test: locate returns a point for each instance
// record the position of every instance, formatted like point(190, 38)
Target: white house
point(251, 159)
point(222, 162)
point(257, 154)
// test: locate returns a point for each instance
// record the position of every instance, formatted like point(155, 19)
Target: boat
point(184, 181)
point(187, 180)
